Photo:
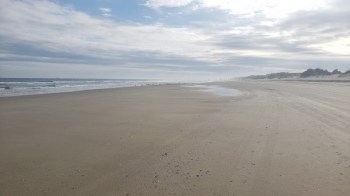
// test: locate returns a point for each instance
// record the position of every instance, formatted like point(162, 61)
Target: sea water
point(32, 86)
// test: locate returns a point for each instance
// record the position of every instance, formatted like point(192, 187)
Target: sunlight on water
point(217, 90)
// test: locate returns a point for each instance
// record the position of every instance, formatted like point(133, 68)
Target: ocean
point(32, 86)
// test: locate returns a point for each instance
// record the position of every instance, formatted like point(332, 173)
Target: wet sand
point(276, 138)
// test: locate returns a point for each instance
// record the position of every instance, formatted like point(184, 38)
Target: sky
point(171, 39)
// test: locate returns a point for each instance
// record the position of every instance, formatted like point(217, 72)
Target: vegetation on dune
point(314, 72)
point(336, 71)
point(308, 73)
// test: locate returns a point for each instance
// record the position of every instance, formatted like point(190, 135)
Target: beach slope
point(276, 138)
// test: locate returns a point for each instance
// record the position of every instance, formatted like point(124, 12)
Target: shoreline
point(181, 84)
point(87, 90)
point(31, 86)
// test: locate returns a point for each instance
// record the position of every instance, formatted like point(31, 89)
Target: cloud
point(168, 3)
point(61, 34)
point(47, 33)
point(327, 29)
point(270, 8)
point(106, 12)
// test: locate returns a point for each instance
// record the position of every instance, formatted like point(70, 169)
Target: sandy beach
point(275, 138)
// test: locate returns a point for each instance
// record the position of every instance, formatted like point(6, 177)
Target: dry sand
point(278, 138)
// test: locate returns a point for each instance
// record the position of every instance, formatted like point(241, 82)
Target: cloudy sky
point(171, 38)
